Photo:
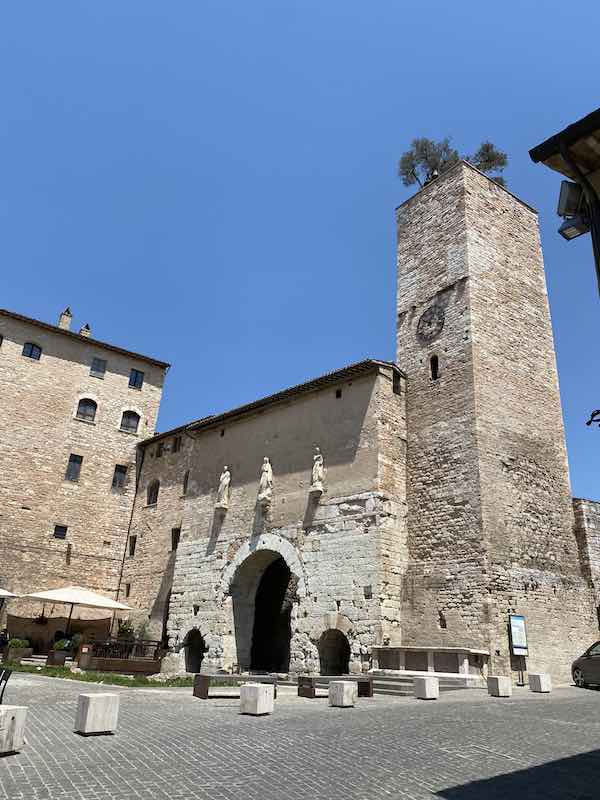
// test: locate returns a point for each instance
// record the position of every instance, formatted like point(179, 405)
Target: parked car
point(586, 668)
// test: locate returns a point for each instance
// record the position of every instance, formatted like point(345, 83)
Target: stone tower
point(490, 520)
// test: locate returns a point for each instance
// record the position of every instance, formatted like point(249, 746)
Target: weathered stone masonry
point(345, 552)
point(490, 524)
point(38, 432)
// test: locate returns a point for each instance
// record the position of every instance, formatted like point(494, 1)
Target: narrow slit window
point(132, 545)
point(175, 536)
point(186, 479)
point(434, 366)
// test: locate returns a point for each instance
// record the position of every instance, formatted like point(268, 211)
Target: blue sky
point(213, 182)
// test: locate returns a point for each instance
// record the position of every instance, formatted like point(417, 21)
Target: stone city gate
point(263, 592)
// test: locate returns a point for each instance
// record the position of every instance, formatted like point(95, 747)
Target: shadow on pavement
point(574, 778)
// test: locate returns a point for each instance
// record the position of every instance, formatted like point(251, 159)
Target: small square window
point(396, 383)
point(98, 368)
point(160, 449)
point(136, 379)
point(60, 532)
point(73, 467)
point(31, 350)
point(368, 592)
point(175, 536)
point(132, 544)
point(177, 444)
point(119, 476)
point(338, 393)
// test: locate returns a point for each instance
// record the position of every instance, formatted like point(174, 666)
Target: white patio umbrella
point(4, 594)
point(76, 596)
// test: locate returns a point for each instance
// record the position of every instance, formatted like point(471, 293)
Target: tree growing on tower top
point(426, 159)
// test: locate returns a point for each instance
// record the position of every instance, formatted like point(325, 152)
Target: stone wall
point(38, 432)
point(587, 528)
point(490, 518)
point(346, 552)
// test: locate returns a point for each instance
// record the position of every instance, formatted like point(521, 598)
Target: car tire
point(578, 679)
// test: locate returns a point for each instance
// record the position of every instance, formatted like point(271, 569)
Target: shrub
point(18, 644)
point(126, 629)
point(62, 644)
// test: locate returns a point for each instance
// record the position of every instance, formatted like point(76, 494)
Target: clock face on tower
point(430, 324)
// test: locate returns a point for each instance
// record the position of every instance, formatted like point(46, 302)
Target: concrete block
point(499, 686)
point(342, 694)
point(97, 713)
point(12, 728)
point(540, 682)
point(257, 699)
point(427, 688)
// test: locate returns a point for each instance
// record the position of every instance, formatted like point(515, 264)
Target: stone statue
point(265, 486)
point(223, 490)
point(318, 472)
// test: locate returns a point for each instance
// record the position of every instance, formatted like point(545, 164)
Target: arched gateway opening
point(263, 592)
point(194, 650)
point(334, 653)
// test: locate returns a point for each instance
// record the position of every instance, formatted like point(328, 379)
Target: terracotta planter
point(56, 658)
point(17, 653)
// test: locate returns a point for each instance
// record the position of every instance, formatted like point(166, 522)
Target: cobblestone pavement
point(169, 745)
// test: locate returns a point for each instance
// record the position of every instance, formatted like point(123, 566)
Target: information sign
point(518, 635)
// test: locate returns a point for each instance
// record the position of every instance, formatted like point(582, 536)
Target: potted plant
point(58, 655)
point(18, 649)
point(62, 649)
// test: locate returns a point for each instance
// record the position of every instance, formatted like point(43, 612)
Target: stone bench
point(202, 682)
point(540, 682)
point(257, 699)
point(426, 688)
point(12, 728)
point(97, 713)
point(307, 684)
point(499, 686)
point(343, 694)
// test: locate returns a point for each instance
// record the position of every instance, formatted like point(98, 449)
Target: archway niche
point(195, 648)
point(263, 591)
point(334, 653)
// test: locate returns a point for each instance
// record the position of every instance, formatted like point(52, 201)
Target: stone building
point(384, 515)
point(72, 410)
point(446, 502)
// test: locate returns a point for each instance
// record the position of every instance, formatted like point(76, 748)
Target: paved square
point(170, 745)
